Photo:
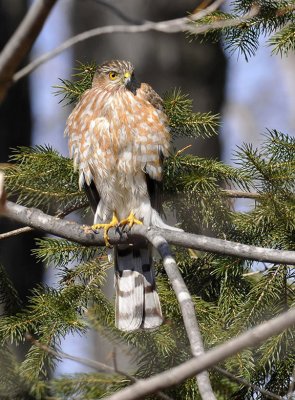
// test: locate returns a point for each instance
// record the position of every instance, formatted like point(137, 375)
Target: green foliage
point(284, 41)
point(41, 177)
point(9, 300)
point(72, 91)
point(269, 18)
point(183, 121)
point(62, 252)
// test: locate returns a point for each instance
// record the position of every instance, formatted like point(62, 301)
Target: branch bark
point(21, 42)
point(15, 232)
point(187, 310)
point(72, 231)
point(194, 366)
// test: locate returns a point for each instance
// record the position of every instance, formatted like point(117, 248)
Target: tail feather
point(137, 302)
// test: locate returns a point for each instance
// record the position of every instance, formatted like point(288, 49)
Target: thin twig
point(170, 26)
point(188, 369)
point(21, 42)
point(239, 194)
point(75, 232)
point(16, 232)
point(243, 382)
point(187, 310)
point(97, 365)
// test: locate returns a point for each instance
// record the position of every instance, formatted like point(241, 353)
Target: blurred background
point(251, 96)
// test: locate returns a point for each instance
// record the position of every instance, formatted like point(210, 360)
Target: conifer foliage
point(229, 298)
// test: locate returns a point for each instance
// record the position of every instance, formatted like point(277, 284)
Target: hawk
point(118, 137)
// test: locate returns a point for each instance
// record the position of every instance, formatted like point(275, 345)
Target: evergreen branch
point(72, 91)
point(284, 41)
point(11, 384)
point(72, 231)
point(244, 37)
point(183, 121)
point(9, 299)
point(40, 176)
point(97, 365)
point(190, 173)
point(188, 369)
point(62, 252)
point(187, 310)
point(243, 382)
point(21, 42)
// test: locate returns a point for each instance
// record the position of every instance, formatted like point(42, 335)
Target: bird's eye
point(113, 75)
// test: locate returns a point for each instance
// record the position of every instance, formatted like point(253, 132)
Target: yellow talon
point(130, 221)
point(106, 227)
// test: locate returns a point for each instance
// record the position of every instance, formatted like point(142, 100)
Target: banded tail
point(137, 301)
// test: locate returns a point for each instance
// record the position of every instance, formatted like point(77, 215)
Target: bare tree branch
point(239, 194)
point(187, 310)
point(184, 24)
point(243, 382)
point(72, 231)
point(97, 365)
point(15, 232)
point(21, 42)
point(194, 366)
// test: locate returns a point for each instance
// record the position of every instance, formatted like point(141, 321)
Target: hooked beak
point(127, 78)
point(130, 82)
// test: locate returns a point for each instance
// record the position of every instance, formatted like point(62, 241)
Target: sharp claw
point(106, 227)
point(130, 221)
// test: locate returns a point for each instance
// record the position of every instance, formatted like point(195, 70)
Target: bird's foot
point(130, 221)
point(106, 227)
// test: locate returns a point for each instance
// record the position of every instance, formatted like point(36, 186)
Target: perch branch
point(21, 42)
point(211, 358)
point(72, 231)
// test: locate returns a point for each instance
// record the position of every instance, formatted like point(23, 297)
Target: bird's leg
point(130, 221)
point(106, 227)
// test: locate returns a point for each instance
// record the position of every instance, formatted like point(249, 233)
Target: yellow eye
point(113, 75)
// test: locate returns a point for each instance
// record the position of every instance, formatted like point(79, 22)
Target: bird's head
point(114, 75)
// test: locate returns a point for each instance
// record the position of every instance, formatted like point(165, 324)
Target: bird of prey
point(118, 137)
